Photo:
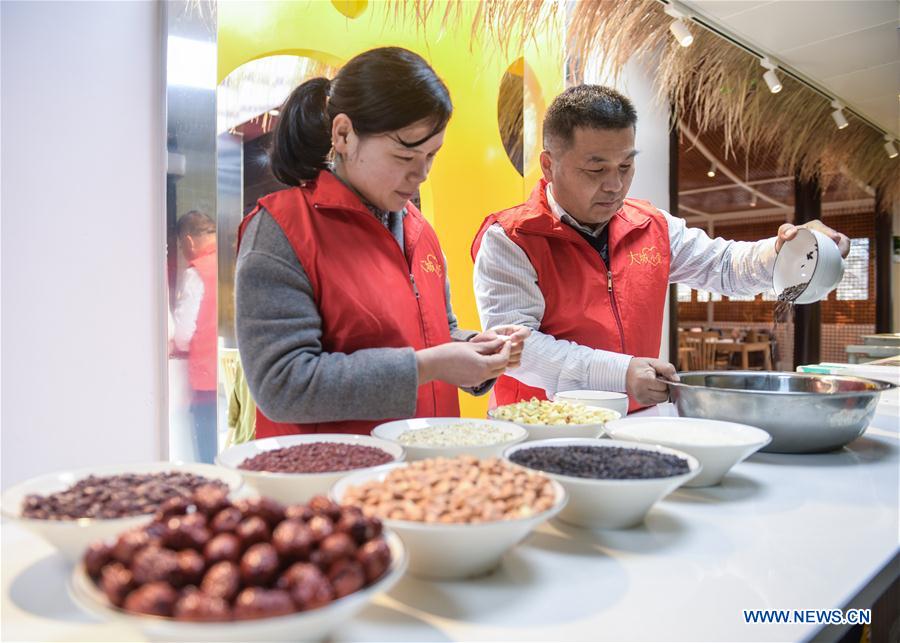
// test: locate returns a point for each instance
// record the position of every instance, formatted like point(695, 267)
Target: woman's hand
point(788, 231)
point(465, 364)
point(513, 333)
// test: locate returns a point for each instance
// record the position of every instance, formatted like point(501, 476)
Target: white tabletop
point(781, 532)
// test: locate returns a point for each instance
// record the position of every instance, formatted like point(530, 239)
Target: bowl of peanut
point(545, 420)
point(456, 516)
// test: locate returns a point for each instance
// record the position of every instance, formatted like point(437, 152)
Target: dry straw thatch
point(713, 82)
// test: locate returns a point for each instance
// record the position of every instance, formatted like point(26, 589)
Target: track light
point(753, 200)
point(889, 147)
point(838, 115)
point(770, 76)
point(678, 27)
point(711, 172)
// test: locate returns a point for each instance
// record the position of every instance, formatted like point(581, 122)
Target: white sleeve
point(507, 292)
point(187, 307)
point(724, 267)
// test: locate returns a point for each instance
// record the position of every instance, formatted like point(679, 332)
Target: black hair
point(194, 223)
point(592, 106)
point(380, 90)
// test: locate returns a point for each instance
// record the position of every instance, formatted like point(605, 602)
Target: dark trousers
point(203, 431)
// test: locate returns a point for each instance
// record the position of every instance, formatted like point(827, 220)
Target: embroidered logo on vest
point(649, 256)
point(431, 264)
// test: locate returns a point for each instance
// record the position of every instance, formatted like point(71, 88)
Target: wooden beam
point(807, 317)
point(883, 250)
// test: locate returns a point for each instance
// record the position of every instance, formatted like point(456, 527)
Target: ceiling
point(849, 48)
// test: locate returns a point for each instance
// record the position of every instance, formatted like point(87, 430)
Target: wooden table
point(745, 348)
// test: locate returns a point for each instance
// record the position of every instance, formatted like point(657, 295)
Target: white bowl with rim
point(718, 445)
point(610, 503)
point(309, 625)
point(550, 431)
point(809, 257)
point(617, 402)
point(392, 431)
point(453, 550)
point(72, 537)
point(293, 488)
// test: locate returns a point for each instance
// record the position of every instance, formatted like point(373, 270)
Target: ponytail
point(302, 138)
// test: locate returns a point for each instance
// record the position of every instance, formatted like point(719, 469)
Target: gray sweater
point(279, 335)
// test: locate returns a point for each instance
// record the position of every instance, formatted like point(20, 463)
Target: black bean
point(604, 463)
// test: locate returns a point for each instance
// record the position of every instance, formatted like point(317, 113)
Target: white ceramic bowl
point(454, 550)
point(716, 444)
point(611, 504)
point(293, 488)
point(72, 537)
point(392, 431)
point(550, 431)
point(617, 402)
point(812, 257)
point(310, 625)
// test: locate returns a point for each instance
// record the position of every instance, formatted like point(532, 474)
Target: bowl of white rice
point(451, 437)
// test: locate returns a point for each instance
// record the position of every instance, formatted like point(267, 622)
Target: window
point(684, 293)
point(855, 284)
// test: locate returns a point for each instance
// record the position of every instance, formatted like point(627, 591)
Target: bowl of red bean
point(612, 484)
point(215, 569)
point(456, 516)
point(70, 509)
point(294, 468)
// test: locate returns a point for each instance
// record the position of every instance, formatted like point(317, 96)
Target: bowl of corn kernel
point(544, 419)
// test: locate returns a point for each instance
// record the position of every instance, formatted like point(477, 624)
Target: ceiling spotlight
point(770, 76)
point(838, 115)
point(274, 112)
point(753, 200)
point(889, 147)
point(678, 27)
point(711, 172)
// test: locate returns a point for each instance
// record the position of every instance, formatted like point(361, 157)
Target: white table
point(781, 532)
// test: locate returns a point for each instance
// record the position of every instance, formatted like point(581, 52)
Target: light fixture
point(274, 112)
point(770, 76)
point(753, 200)
point(838, 114)
point(711, 172)
point(678, 27)
point(889, 147)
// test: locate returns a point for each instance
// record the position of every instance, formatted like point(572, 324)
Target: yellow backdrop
point(472, 176)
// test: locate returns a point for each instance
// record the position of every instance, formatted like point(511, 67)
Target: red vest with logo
point(202, 352)
point(369, 292)
point(615, 308)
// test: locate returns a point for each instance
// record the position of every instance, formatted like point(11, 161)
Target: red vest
point(369, 293)
point(616, 308)
point(202, 352)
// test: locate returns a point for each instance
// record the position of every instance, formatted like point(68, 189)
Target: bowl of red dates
point(209, 568)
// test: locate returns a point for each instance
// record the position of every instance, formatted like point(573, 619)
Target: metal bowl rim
point(883, 386)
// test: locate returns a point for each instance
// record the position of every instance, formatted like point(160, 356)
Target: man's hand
point(463, 363)
point(641, 382)
point(788, 231)
point(514, 334)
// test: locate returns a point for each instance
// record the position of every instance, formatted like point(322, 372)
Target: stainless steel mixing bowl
point(804, 413)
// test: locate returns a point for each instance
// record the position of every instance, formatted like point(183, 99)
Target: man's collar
point(560, 213)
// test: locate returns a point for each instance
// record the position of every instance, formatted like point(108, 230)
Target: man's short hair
point(592, 106)
point(196, 224)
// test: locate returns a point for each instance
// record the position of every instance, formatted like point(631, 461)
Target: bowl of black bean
point(295, 468)
point(611, 484)
point(71, 509)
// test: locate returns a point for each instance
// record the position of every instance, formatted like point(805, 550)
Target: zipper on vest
point(415, 288)
point(615, 307)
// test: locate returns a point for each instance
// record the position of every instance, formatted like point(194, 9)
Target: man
point(588, 270)
point(196, 326)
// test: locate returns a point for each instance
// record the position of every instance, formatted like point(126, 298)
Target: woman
point(342, 302)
